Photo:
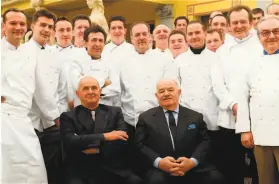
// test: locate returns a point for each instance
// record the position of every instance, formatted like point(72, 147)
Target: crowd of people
point(174, 106)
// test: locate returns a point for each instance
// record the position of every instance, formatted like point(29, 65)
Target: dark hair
point(239, 8)
point(181, 18)
point(137, 23)
point(94, 29)
point(218, 15)
point(174, 32)
point(81, 17)
point(211, 31)
point(258, 10)
point(43, 13)
point(117, 18)
point(62, 19)
point(196, 22)
point(271, 5)
point(11, 10)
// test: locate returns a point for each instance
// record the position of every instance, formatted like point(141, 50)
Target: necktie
point(172, 124)
point(93, 115)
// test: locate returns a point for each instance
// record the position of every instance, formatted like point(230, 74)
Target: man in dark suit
point(174, 141)
point(94, 140)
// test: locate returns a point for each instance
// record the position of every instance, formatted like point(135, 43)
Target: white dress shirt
point(166, 53)
point(236, 59)
point(260, 102)
point(202, 85)
point(138, 79)
point(52, 80)
point(101, 70)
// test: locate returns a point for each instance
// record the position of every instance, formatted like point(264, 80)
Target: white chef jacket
point(260, 102)
point(138, 79)
point(55, 83)
point(6, 46)
point(101, 70)
point(166, 53)
point(22, 157)
point(66, 56)
point(236, 59)
point(116, 54)
point(202, 85)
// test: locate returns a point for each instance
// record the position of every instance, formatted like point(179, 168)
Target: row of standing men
point(214, 84)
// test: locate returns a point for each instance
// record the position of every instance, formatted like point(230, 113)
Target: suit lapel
point(84, 119)
point(183, 121)
point(101, 120)
point(160, 120)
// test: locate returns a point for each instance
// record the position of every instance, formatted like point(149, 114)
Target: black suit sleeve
point(120, 123)
point(140, 139)
point(73, 141)
point(203, 148)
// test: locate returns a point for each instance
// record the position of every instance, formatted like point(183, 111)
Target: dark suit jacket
point(79, 133)
point(192, 140)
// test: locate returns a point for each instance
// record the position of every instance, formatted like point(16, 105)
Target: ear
point(125, 31)
point(179, 92)
point(156, 94)
point(77, 93)
point(32, 26)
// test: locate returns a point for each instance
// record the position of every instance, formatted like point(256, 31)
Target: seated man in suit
point(94, 140)
point(174, 141)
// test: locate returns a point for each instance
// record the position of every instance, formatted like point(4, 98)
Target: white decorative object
point(36, 4)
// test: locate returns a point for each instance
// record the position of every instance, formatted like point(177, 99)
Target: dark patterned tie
point(172, 124)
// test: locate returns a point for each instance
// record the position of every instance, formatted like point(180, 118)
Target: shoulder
point(110, 108)
point(189, 112)
point(150, 112)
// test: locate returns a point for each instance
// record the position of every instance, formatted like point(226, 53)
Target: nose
point(271, 35)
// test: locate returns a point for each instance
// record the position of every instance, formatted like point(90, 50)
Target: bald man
point(161, 34)
point(273, 9)
point(95, 139)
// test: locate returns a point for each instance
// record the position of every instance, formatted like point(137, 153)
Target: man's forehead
point(219, 19)
point(117, 23)
point(140, 28)
point(96, 35)
point(237, 15)
point(181, 21)
point(194, 27)
point(46, 20)
point(63, 23)
point(176, 36)
point(269, 24)
point(16, 15)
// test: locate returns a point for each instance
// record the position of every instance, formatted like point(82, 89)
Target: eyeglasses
point(266, 33)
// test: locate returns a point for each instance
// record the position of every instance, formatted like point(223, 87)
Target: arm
point(203, 148)
point(62, 91)
point(140, 137)
point(77, 142)
point(120, 123)
point(113, 89)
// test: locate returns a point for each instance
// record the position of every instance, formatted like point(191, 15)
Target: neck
point(15, 43)
point(118, 42)
point(63, 46)
point(162, 46)
point(79, 43)
point(272, 51)
point(197, 50)
point(95, 57)
point(90, 106)
point(42, 43)
point(171, 107)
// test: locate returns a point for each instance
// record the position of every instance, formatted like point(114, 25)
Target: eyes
point(266, 33)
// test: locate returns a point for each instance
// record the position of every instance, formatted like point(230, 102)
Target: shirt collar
point(8, 44)
point(276, 52)
point(62, 48)
point(244, 39)
point(37, 44)
point(176, 110)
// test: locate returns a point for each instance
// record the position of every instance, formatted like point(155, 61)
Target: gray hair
point(265, 18)
point(168, 79)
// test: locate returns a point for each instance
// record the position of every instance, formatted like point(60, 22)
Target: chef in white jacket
point(236, 59)
point(177, 43)
point(118, 49)
point(257, 117)
point(21, 156)
point(52, 71)
point(91, 63)
point(161, 35)
point(66, 52)
point(138, 77)
point(15, 27)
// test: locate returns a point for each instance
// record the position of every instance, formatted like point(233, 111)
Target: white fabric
point(236, 59)
point(22, 159)
point(202, 85)
point(166, 53)
point(52, 80)
point(6, 46)
point(260, 101)
point(138, 79)
point(101, 70)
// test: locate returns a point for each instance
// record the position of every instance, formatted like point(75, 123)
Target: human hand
point(116, 135)
point(184, 165)
point(247, 140)
point(167, 163)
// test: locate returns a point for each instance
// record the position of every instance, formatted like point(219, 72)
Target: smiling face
point(256, 19)
point(89, 92)
point(95, 44)
point(269, 34)
point(15, 26)
point(141, 38)
point(213, 41)
point(63, 33)
point(42, 30)
point(177, 44)
point(220, 23)
point(117, 32)
point(168, 94)
point(161, 34)
point(195, 35)
point(79, 28)
point(240, 24)
point(181, 25)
